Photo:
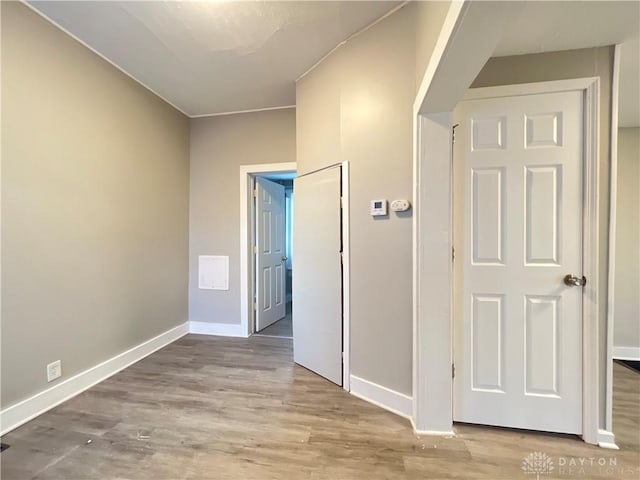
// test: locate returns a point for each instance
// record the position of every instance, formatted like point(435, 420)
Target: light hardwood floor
point(225, 408)
point(281, 328)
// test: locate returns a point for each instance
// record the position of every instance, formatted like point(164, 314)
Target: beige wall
point(95, 173)
point(627, 267)
point(219, 145)
point(357, 106)
point(430, 17)
point(588, 62)
point(318, 109)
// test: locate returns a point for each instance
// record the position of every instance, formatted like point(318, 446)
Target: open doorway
point(321, 294)
point(248, 176)
point(273, 266)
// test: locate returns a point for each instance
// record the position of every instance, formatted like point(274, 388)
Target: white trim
point(432, 407)
point(432, 233)
point(246, 219)
point(626, 353)
point(432, 433)
point(611, 262)
point(591, 246)
point(432, 326)
point(591, 269)
point(383, 397)
point(346, 275)
point(219, 329)
point(252, 110)
point(454, 16)
point(93, 50)
point(246, 181)
point(535, 88)
point(606, 439)
point(20, 413)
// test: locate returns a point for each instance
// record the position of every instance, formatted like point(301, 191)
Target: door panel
point(488, 218)
point(487, 325)
point(270, 253)
point(542, 211)
point(517, 232)
point(317, 274)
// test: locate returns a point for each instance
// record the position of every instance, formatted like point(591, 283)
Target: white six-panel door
point(517, 233)
point(270, 253)
point(317, 274)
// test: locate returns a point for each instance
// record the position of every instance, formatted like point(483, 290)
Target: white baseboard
point(626, 353)
point(607, 439)
point(383, 397)
point(220, 329)
point(21, 412)
point(433, 433)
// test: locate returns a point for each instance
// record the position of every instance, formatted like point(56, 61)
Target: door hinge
point(255, 192)
point(453, 370)
point(255, 306)
point(255, 249)
point(453, 253)
point(453, 133)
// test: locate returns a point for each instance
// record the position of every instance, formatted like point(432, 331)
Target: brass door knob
point(573, 281)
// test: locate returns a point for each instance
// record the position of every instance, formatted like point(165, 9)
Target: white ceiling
point(210, 57)
point(549, 26)
point(217, 56)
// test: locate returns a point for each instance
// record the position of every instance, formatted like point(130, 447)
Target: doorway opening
point(321, 294)
point(272, 271)
point(248, 293)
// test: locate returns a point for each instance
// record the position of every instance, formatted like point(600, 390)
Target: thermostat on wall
point(378, 208)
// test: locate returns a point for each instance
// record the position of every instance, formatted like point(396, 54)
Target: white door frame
point(247, 214)
point(247, 172)
point(590, 87)
point(434, 136)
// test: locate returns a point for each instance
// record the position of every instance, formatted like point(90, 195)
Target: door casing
point(433, 311)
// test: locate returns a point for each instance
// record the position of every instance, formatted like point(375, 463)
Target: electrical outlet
point(54, 370)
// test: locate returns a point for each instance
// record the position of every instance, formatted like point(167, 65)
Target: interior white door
point(270, 253)
point(517, 233)
point(317, 274)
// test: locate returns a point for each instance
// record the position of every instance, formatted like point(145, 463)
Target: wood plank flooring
point(226, 408)
point(282, 328)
